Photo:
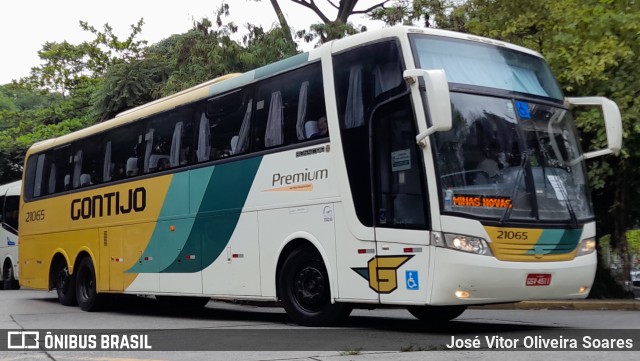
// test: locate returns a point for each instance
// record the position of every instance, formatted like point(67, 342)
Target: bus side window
point(57, 170)
point(87, 162)
point(11, 213)
point(287, 107)
point(1, 209)
point(127, 149)
point(224, 125)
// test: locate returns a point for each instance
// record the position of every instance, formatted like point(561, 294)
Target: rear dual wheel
point(86, 293)
point(65, 285)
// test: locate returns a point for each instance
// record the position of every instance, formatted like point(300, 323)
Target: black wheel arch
point(60, 261)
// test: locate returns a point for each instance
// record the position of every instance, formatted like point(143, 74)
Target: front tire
point(436, 314)
point(88, 298)
point(305, 290)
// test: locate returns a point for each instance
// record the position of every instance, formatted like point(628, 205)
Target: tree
point(330, 27)
point(25, 97)
point(204, 52)
point(127, 85)
point(6, 103)
point(56, 98)
point(442, 14)
point(68, 67)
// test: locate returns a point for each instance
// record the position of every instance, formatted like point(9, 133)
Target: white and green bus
point(450, 175)
point(9, 203)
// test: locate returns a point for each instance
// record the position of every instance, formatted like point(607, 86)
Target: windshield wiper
point(567, 201)
point(523, 163)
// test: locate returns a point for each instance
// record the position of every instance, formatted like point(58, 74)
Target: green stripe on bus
point(219, 193)
point(233, 83)
point(282, 65)
point(250, 76)
point(556, 241)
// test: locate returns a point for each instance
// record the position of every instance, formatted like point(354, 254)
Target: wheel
point(10, 282)
point(65, 285)
point(86, 293)
point(305, 291)
point(436, 314)
point(183, 301)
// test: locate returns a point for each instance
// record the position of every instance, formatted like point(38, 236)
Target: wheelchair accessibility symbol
point(413, 283)
point(523, 109)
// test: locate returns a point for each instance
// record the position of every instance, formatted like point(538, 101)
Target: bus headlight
point(587, 246)
point(467, 244)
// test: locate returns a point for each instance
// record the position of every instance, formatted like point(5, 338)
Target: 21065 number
point(35, 216)
point(513, 235)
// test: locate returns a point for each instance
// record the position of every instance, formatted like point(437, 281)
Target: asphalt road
point(243, 332)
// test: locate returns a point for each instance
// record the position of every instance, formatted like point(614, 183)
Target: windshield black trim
point(506, 94)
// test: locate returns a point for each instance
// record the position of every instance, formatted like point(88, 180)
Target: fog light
point(462, 294)
point(583, 289)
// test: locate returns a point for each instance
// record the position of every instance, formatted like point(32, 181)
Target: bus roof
point(230, 81)
point(10, 189)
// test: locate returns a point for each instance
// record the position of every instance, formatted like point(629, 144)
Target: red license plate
point(538, 279)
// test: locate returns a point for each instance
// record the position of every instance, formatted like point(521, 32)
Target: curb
point(585, 305)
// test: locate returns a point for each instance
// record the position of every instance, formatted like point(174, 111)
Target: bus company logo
point(296, 182)
point(108, 204)
point(382, 272)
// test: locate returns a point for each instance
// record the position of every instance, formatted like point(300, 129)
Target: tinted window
point(123, 152)
point(166, 141)
point(223, 125)
point(362, 82)
point(289, 108)
point(87, 162)
point(10, 217)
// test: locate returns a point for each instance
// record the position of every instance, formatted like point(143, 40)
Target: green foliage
point(329, 31)
point(25, 97)
point(208, 51)
point(68, 67)
point(127, 85)
point(408, 12)
point(633, 238)
point(6, 103)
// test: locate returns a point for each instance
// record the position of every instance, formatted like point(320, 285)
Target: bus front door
point(400, 202)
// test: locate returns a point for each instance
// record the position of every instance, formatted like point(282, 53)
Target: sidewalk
point(589, 304)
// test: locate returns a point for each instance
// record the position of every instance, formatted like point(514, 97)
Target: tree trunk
point(345, 10)
point(283, 23)
point(619, 218)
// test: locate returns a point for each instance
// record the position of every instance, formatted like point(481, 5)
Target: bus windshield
point(505, 158)
point(503, 163)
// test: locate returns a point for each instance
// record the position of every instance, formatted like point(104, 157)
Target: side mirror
point(612, 121)
point(438, 101)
